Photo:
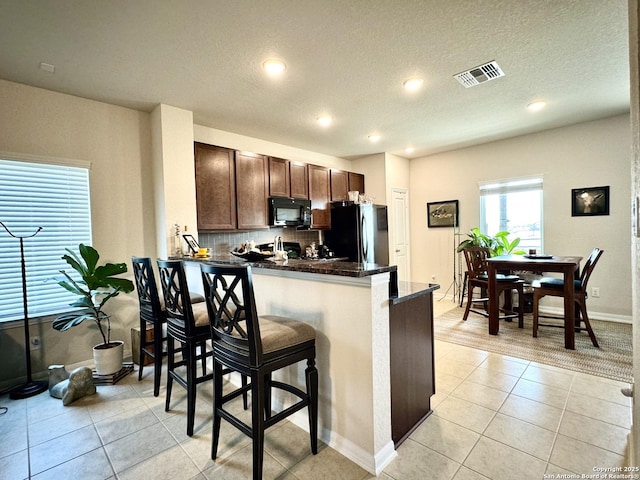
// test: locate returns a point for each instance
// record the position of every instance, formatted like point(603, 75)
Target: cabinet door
point(252, 190)
point(356, 182)
point(320, 195)
point(215, 188)
point(299, 175)
point(279, 177)
point(339, 185)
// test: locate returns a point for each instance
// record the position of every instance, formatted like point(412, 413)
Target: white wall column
point(174, 174)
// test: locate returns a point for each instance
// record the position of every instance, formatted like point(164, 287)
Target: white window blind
point(56, 198)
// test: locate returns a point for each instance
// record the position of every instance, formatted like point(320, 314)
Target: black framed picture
point(589, 201)
point(193, 245)
point(442, 214)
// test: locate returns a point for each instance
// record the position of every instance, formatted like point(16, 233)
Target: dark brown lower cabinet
point(412, 370)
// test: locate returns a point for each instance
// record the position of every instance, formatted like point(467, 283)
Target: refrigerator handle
point(365, 239)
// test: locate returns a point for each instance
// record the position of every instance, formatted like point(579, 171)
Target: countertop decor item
point(98, 284)
point(30, 388)
point(252, 256)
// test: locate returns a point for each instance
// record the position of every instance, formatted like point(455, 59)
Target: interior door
point(400, 250)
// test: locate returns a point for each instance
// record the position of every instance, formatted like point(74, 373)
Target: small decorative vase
point(108, 357)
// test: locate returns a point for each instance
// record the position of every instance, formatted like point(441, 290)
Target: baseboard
point(605, 317)
point(372, 464)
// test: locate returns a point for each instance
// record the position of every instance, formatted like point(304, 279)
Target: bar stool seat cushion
point(282, 332)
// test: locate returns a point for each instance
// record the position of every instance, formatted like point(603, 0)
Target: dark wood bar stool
point(151, 312)
point(255, 347)
point(187, 325)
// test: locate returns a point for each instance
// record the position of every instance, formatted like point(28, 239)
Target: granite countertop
point(409, 290)
point(325, 267)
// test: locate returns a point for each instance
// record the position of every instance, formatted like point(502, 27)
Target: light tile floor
point(495, 417)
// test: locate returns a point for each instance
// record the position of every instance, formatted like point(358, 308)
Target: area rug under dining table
point(614, 358)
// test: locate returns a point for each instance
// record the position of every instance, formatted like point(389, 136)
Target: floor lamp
point(30, 388)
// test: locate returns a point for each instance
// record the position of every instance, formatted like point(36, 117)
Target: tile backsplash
point(222, 243)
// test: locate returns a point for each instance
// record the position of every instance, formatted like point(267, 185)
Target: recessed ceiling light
point(535, 106)
point(374, 137)
point(413, 83)
point(274, 66)
point(324, 120)
point(409, 150)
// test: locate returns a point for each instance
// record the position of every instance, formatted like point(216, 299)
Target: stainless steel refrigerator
point(359, 232)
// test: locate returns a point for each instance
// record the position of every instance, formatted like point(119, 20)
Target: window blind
point(56, 198)
point(522, 184)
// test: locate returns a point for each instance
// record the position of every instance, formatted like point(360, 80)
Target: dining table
point(569, 266)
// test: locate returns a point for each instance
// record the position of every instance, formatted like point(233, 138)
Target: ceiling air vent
point(478, 75)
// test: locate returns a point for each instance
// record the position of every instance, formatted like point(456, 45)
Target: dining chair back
point(476, 260)
point(188, 326)
point(555, 287)
point(256, 346)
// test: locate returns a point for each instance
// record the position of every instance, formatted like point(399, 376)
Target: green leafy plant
point(497, 245)
point(98, 285)
point(502, 245)
point(476, 239)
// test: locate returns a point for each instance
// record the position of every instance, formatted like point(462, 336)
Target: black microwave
point(289, 212)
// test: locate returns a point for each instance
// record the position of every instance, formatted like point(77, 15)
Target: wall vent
point(480, 74)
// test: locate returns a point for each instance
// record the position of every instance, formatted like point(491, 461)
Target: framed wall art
point(193, 245)
point(442, 214)
point(589, 201)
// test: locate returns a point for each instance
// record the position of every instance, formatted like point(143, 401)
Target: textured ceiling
point(346, 58)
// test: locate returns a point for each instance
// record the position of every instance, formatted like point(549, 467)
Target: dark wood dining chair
point(555, 287)
point(476, 260)
point(255, 347)
point(188, 326)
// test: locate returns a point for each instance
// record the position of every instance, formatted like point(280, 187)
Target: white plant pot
point(108, 359)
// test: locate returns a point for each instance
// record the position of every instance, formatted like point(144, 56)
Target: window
point(516, 206)
point(48, 195)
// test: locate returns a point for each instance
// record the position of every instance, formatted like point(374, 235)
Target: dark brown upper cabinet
point(279, 178)
point(320, 196)
point(215, 187)
point(288, 179)
point(299, 174)
point(356, 182)
point(252, 190)
point(339, 185)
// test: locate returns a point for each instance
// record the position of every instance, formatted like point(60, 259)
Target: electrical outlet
point(35, 343)
point(595, 292)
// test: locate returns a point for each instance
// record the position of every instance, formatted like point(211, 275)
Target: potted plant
point(497, 245)
point(476, 239)
point(97, 286)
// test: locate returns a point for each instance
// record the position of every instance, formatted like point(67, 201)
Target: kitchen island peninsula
point(350, 305)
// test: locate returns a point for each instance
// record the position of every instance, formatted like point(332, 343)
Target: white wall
point(585, 155)
point(221, 138)
point(375, 181)
point(117, 143)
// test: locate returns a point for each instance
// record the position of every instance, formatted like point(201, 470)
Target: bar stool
point(187, 324)
point(151, 312)
point(255, 347)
